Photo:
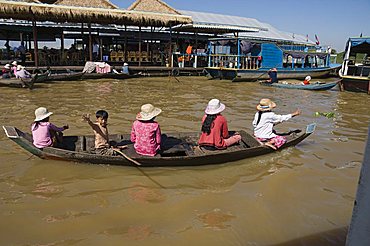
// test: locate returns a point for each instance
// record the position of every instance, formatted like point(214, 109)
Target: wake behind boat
point(178, 149)
point(315, 86)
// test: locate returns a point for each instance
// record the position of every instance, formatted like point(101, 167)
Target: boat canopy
point(359, 45)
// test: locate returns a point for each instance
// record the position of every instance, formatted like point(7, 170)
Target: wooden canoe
point(178, 149)
point(67, 76)
point(23, 83)
point(318, 86)
point(109, 76)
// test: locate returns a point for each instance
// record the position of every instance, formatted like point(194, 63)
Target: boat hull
point(356, 84)
point(179, 149)
point(313, 86)
point(65, 76)
point(242, 75)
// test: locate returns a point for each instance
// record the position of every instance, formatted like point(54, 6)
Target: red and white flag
point(317, 40)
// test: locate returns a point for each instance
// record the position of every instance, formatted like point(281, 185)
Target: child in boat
point(215, 133)
point(102, 146)
point(146, 133)
point(44, 133)
point(264, 121)
point(307, 80)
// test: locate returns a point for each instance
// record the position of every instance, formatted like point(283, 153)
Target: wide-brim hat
point(148, 112)
point(14, 63)
point(42, 113)
point(214, 107)
point(266, 105)
point(7, 66)
point(308, 78)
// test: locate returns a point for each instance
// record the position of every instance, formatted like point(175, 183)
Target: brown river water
point(302, 195)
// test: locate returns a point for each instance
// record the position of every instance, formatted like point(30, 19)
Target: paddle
point(127, 158)
point(138, 164)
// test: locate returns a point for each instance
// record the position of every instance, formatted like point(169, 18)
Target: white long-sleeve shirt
point(266, 124)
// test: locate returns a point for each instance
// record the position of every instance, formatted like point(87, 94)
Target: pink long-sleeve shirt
point(41, 134)
point(147, 137)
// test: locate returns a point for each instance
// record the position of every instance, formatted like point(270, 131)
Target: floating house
point(147, 33)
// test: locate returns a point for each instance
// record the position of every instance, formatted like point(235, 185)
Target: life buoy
point(175, 72)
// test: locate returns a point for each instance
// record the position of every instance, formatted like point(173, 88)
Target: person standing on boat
point(272, 73)
point(307, 80)
point(264, 121)
point(215, 133)
point(146, 133)
point(22, 52)
point(44, 133)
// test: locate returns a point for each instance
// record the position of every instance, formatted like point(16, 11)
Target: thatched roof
point(61, 13)
point(153, 6)
point(90, 3)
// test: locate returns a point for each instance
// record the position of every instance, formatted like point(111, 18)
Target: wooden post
point(90, 43)
point(101, 48)
point(62, 47)
point(139, 46)
point(170, 50)
point(35, 45)
point(83, 43)
point(125, 46)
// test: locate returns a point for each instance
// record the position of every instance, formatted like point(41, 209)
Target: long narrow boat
point(109, 76)
point(318, 86)
point(355, 72)
point(179, 149)
point(23, 83)
point(67, 76)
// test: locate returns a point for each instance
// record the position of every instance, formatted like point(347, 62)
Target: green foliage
point(328, 115)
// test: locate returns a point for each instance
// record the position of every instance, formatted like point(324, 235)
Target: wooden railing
point(231, 61)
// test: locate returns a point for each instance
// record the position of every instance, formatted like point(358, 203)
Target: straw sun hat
point(7, 66)
point(42, 113)
point(14, 63)
point(214, 107)
point(148, 112)
point(308, 78)
point(266, 105)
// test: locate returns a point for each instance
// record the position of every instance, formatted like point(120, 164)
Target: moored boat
point(316, 86)
point(253, 60)
point(109, 76)
point(67, 76)
point(178, 149)
point(355, 71)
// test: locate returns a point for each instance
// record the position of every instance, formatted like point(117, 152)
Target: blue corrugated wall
point(272, 56)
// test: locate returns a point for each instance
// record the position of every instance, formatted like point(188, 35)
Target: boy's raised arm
point(86, 118)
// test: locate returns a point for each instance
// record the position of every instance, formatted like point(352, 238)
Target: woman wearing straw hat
point(146, 133)
point(44, 133)
point(14, 68)
point(264, 121)
point(6, 71)
point(215, 133)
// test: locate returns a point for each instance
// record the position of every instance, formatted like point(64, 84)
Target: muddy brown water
point(298, 196)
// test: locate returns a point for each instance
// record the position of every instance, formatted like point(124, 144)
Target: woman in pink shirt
point(215, 133)
point(146, 133)
point(44, 133)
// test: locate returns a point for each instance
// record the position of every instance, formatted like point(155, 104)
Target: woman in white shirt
point(264, 121)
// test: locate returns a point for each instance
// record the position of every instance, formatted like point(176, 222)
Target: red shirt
point(306, 82)
point(219, 132)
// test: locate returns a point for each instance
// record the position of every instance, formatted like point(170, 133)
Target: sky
point(333, 21)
